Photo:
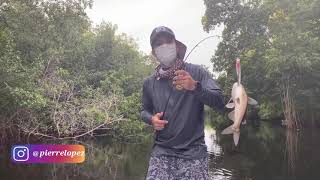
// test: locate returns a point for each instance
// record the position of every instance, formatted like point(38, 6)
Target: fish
point(239, 101)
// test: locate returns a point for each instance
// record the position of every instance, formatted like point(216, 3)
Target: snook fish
point(239, 101)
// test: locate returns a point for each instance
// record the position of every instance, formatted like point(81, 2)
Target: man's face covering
point(166, 53)
point(165, 50)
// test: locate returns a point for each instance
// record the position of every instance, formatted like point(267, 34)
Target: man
point(173, 103)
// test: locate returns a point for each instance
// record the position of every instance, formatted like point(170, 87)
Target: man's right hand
point(157, 123)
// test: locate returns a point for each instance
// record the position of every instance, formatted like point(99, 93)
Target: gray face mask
point(166, 54)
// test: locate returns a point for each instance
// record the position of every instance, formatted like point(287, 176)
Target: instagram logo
point(20, 153)
point(47, 153)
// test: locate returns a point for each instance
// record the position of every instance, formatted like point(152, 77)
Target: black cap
point(165, 30)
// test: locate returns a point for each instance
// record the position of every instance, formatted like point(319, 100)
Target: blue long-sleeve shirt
point(183, 135)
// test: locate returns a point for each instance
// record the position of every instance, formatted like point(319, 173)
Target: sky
point(137, 18)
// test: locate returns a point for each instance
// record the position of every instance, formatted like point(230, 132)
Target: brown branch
point(77, 136)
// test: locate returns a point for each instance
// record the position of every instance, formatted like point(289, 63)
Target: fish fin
point(236, 137)
point(252, 101)
point(231, 115)
point(227, 130)
point(230, 104)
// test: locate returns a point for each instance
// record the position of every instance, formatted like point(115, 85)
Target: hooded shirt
point(183, 135)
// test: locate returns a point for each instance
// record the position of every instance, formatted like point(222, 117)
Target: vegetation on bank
point(62, 77)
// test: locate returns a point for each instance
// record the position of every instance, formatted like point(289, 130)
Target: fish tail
point(236, 137)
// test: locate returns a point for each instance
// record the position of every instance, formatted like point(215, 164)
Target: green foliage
point(65, 74)
point(267, 110)
point(27, 99)
point(277, 42)
point(95, 113)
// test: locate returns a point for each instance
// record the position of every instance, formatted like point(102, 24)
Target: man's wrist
point(194, 86)
point(197, 86)
point(149, 119)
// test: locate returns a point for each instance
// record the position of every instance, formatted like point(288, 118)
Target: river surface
point(266, 152)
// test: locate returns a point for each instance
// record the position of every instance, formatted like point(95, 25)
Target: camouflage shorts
point(174, 168)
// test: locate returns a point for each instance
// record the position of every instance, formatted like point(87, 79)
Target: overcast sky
point(137, 18)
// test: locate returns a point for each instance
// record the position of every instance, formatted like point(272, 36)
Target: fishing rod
point(200, 43)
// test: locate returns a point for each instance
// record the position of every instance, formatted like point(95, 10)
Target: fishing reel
point(179, 87)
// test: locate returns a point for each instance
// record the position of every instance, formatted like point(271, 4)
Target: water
point(261, 155)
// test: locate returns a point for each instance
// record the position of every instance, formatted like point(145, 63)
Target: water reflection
point(211, 142)
point(261, 155)
point(264, 153)
point(225, 166)
point(104, 160)
point(215, 156)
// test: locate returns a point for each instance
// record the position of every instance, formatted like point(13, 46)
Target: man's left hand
point(184, 79)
